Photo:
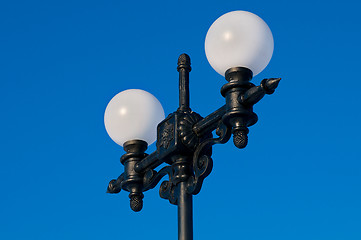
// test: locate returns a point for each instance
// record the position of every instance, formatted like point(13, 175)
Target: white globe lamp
point(239, 39)
point(133, 115)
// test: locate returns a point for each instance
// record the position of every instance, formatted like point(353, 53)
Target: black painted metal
point(149, 162)
point(255, 94)
point(184, 144)
point(130, 180)
point(238, 116)
point(209, 123)
point(184, 67)
point(185, 213)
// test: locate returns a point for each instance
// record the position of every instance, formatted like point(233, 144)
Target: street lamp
point(238, 45)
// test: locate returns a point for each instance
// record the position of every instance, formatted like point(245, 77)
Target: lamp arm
point(149, 162)
point(256, 93)
point(209, 123)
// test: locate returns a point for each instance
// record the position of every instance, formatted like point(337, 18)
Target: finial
point(184, 61)
point(136, 201)
point(240, 138)
point(270, 85)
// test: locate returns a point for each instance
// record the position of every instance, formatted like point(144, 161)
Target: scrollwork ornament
point(152, 178)
point(202, 162)
point(115, 185)
point(224, 132)
point(167, 189)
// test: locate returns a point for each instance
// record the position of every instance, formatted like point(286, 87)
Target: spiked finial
point(114, 187)
point(270, 85)
point(255, 94)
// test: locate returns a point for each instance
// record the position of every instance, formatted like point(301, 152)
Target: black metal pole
point(184, 67)
point(185, 213)
point(185, 200)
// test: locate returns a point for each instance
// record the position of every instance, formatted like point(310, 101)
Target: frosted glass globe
point(239, 39)
point(133, 115)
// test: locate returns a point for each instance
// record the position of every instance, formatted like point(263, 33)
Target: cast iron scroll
point(115, 185)
point(202, 161)
point(167, 188)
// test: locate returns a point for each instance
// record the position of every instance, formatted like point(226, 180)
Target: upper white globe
point(239, 39)
point(133, 115)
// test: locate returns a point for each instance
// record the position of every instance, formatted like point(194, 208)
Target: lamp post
point(238, 45)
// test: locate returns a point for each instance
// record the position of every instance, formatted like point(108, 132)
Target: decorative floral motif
point(167, 135)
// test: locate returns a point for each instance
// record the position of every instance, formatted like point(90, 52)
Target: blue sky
point(62, 61)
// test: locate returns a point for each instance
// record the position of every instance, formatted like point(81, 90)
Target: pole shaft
point(185, 213)
point(183, 89)
point(184, 67)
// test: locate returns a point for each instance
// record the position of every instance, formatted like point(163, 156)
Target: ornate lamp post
point(238, 45)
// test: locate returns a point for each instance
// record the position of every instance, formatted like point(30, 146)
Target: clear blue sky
point(62, 61)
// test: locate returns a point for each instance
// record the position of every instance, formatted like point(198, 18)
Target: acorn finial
point(184, 61)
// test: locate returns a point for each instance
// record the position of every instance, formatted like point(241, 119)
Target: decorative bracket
point(202, 161)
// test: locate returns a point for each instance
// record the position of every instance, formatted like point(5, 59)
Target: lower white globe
point(133, 115)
